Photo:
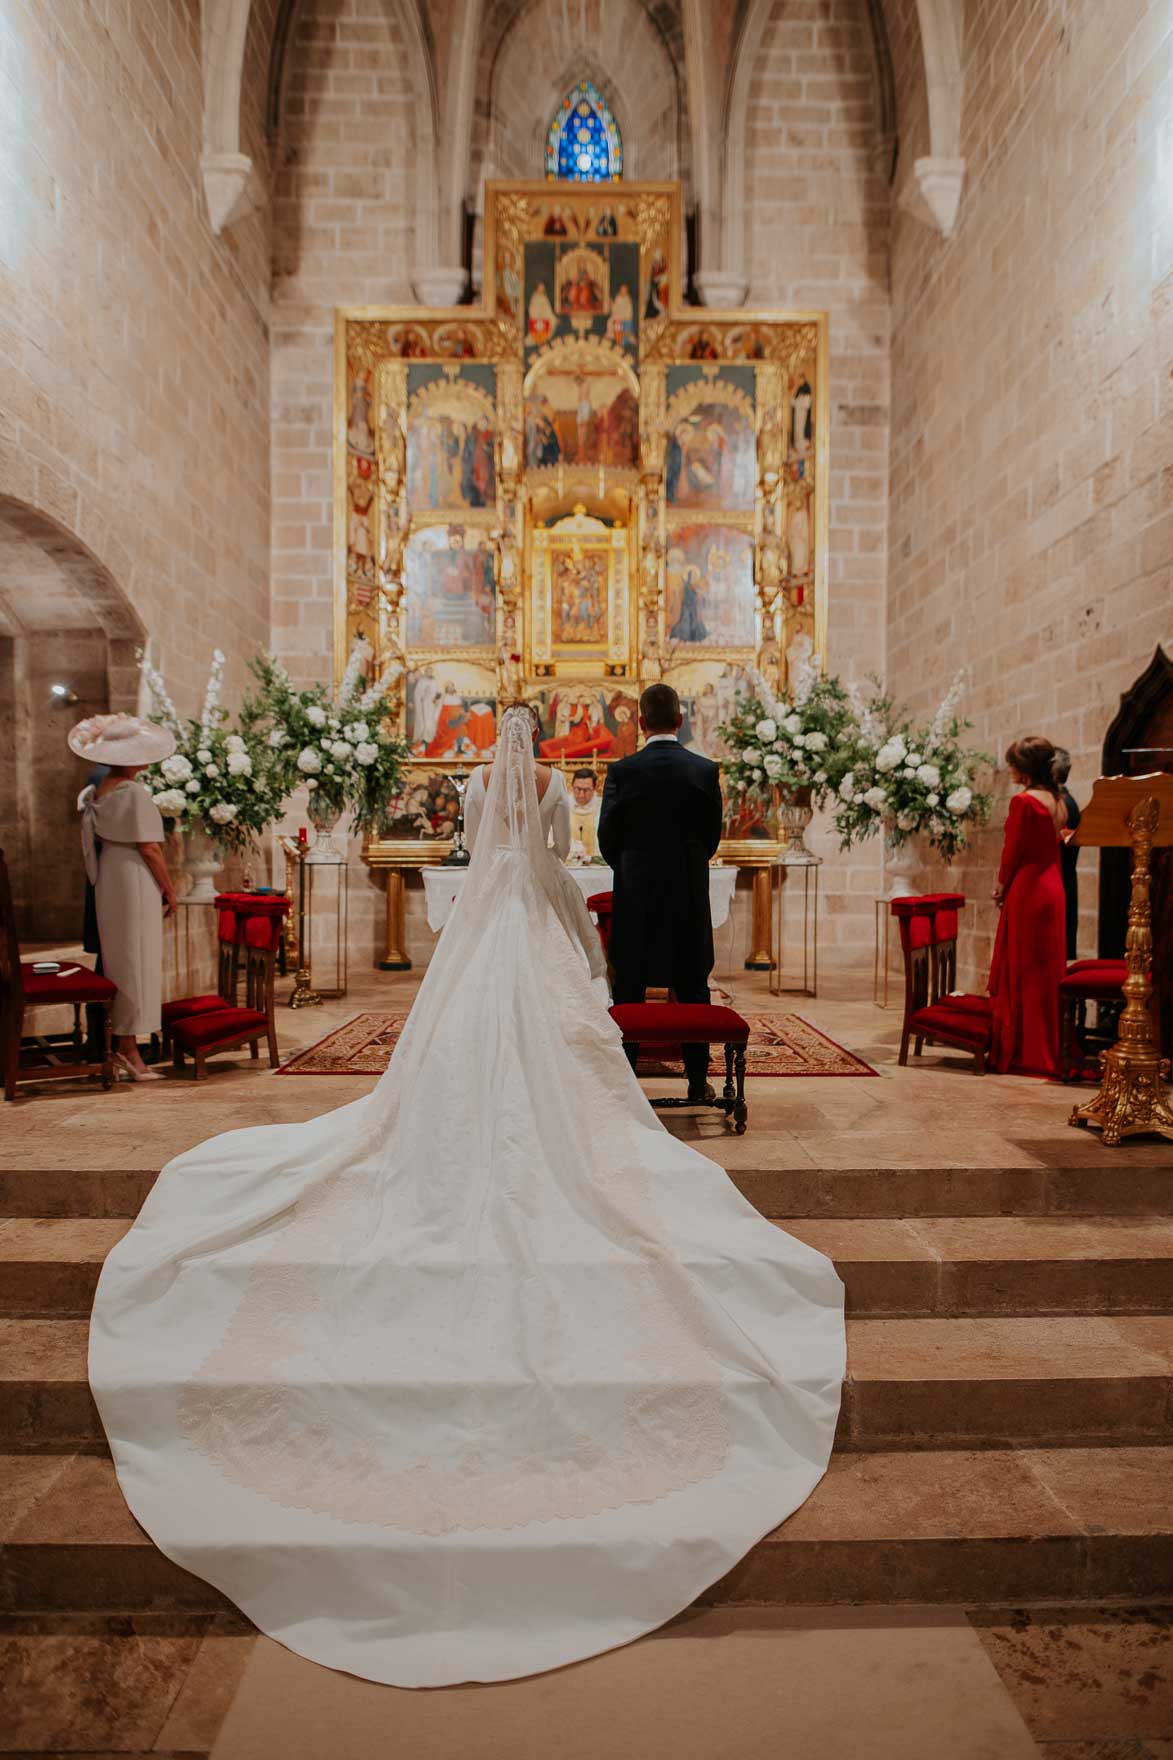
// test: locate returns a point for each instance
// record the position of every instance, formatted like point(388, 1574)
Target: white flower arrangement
point(799, 742)
point(214, 780)
point(341, 744)
point(907, 780)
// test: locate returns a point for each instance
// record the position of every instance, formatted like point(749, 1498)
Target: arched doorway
point(64, 622)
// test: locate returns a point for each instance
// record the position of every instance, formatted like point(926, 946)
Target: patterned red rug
point(779, 1045)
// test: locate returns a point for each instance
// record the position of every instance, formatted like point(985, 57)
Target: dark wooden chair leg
point(274, 1058)
point(979, 1063)
point(918, 1047)
point(107, 1048)
point(254, 1048)
point(740, 1111)
point(201, 1072)
point(903, 1058)
point(728, 1094)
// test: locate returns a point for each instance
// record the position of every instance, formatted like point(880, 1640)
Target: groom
point(659, 824)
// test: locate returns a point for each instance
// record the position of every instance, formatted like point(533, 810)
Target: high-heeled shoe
point(126, 1069)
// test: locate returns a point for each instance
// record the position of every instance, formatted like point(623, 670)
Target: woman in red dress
point(1030, 952)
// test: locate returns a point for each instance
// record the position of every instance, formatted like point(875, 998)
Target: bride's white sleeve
point(474, 800)
point(560, 829)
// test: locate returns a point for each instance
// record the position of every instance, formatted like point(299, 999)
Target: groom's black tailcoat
point(659, 824)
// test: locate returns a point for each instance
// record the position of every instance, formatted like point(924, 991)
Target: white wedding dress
point(485, 1372)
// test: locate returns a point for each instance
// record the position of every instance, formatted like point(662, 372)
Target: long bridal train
point(485, 1372)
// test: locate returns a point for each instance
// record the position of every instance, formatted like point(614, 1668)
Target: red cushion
point(1116, 966)
point(678, 1023)
point(950, 900)
point(224, 1027)
point(255, 904)
point(80, 986)
point(262, 932)
point(940, 1021)
point(966, 1004)
point(945, 924)
point(183, 1006)
point(922, 906)
point(1108, 981)
point(600, 902)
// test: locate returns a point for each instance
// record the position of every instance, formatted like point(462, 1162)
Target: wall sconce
point(63, 695)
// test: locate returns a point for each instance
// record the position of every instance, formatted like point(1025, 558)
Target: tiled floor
point(935, 1113)
point(758, 1683)
point(717, 1684)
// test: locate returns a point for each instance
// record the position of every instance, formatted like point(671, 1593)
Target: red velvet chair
point(227, 1027)
point(236, 911)
point(1088, 980)
point(39, 1057)
point(668, 1026)
point(928, 941)
point(599, 904)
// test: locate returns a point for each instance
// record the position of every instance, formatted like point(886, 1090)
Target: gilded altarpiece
point(574, 489)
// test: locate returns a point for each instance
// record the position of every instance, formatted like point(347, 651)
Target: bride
point(485, 1372)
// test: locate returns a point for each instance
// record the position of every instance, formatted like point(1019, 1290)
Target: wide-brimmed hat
point(121, 739)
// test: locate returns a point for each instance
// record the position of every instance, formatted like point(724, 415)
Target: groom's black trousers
point(686, 987)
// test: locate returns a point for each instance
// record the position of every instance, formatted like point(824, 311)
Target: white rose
point(211, 769)
point(312, 783)
point(757, 776)
point(910, 771)
point(204, 757)
point(772, 765)
point(357, 732)
point(793, 724)
point(340, 749)
point(929, 775)
point(933, 799)
point(176, 768)
point(876, 798)
point(222, 813)
point(170, 801)
point(365, 753)
point(193, 787)
point(799, 741)
point(239, 764)
point(315, 715)
point(820, 776)
point(747, 756)
point(335, 724)
point(308, 761)
point(959, 800)
point(847, 787)
point(767, 731)
point(234, 743)
point(278, 737)
point(816, 742)
point(914, 759)
point(330, 770)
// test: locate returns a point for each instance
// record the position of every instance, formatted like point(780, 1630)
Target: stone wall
point(1031, 514)
point(817, 222)
point(133, 342)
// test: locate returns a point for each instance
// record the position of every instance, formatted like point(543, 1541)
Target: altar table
point(442, 888)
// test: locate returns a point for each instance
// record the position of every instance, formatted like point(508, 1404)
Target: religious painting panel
point(580, 601)
point(451, 711)
point(710, 456)
point(709, 592)
point(450, 588)
point(589, 721)
point(451, 438)
point(467, 442)
point(708, 691)
point(425, 808)
point(581, 410)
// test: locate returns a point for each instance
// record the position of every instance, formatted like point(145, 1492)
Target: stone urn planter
point(201, 860)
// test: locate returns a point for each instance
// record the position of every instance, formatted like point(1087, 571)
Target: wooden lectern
point(1136, 812)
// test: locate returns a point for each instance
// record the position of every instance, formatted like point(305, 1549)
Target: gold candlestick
point(303, 995)
point(1130, 1099)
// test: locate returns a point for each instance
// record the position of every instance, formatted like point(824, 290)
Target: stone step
point(912, 1384)
point(1100, 1186)
point(968, 1265)
point(1000, 1527)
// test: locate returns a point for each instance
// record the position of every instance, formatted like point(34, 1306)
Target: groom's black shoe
point(702, 1093)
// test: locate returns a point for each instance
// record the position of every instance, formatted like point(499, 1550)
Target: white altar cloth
point(442, 888)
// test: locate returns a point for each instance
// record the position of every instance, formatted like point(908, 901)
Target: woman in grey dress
point(122, 841)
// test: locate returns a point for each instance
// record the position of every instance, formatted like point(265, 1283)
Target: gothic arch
point(641, 66)
point(232, 183)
